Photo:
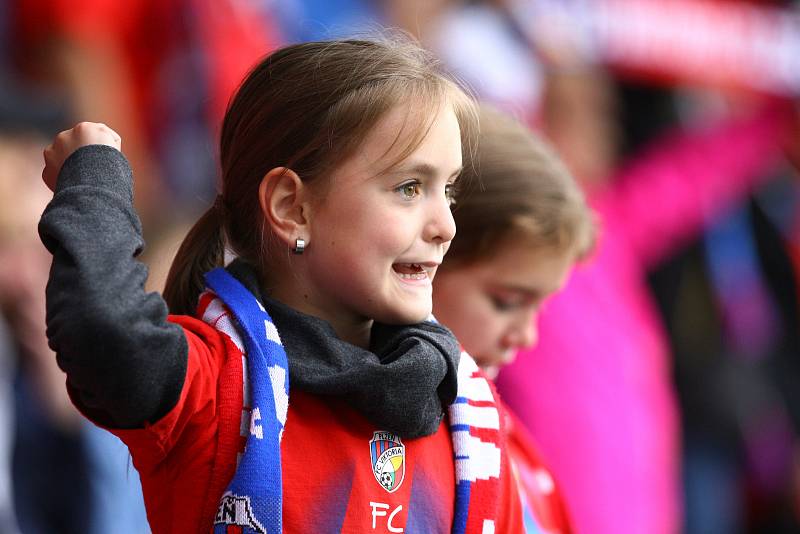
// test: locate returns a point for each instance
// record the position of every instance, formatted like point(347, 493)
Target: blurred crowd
point(665, 388)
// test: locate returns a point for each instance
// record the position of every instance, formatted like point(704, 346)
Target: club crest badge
point(388, 455)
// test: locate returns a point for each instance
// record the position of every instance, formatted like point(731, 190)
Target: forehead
point(424, 134)
point(541, 270)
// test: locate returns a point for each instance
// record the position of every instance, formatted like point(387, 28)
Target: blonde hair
point(307, 107)
point(517, 188)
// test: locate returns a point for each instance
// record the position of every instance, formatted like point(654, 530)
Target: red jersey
point(543, 506)
point(329, 482)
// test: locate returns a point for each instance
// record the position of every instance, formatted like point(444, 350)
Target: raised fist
point(68, 141)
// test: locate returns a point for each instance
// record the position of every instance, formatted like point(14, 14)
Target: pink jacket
point(597, 392)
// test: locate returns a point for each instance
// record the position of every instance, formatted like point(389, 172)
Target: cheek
point(491, 327)
point(481, 330)
point(370, 235)
point(463, 308)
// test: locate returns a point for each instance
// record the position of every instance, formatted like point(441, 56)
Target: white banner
point(712, 42)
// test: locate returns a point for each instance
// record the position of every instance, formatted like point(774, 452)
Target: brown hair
point(517, 189)
point(306, 107)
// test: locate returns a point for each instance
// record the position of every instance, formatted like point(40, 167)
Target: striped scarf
point(253, 500)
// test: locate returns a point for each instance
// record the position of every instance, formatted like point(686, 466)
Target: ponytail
point(202, 250)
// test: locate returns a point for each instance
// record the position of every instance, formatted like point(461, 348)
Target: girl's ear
point(283, 199)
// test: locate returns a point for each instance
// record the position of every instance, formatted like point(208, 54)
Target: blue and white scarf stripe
point(254, 498)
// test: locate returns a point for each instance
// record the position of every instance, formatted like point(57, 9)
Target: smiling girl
point(338, 163)
point(519, 234)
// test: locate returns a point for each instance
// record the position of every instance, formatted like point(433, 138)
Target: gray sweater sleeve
point(125, 362)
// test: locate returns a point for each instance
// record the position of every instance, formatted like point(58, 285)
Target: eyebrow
point(422, 168)
point(526, 292)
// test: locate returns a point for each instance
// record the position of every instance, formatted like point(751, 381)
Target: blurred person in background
point(730, 300)
point(42, 482)
point(602, 373)
point(7, 513)
point(38, 419)
point(522, 223)
point(161, 73)
point(68, 476)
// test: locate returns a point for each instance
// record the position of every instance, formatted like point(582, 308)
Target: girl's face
point(492, 306)
point(377, 235)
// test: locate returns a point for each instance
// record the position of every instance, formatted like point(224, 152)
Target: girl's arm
point(125, 363)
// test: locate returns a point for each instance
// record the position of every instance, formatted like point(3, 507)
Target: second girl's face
point(492, 306)
point(377, 235)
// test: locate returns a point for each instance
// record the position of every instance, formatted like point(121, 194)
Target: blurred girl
point(338, 164)
point(519, 233)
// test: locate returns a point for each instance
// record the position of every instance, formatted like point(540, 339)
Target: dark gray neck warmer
point(402, 384)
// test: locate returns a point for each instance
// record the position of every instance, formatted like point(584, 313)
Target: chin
point(491, 371)
point(405, 316)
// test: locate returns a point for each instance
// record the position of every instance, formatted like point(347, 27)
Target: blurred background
point(679, 412)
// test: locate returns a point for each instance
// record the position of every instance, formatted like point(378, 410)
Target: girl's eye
point(450, 193)
point(503, 305)
point(512, 303)
point(409, 190)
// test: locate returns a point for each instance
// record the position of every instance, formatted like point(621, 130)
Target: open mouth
point(410, 271)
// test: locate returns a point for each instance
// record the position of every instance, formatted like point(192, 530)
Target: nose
point(529, 335)
point(440, 226)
